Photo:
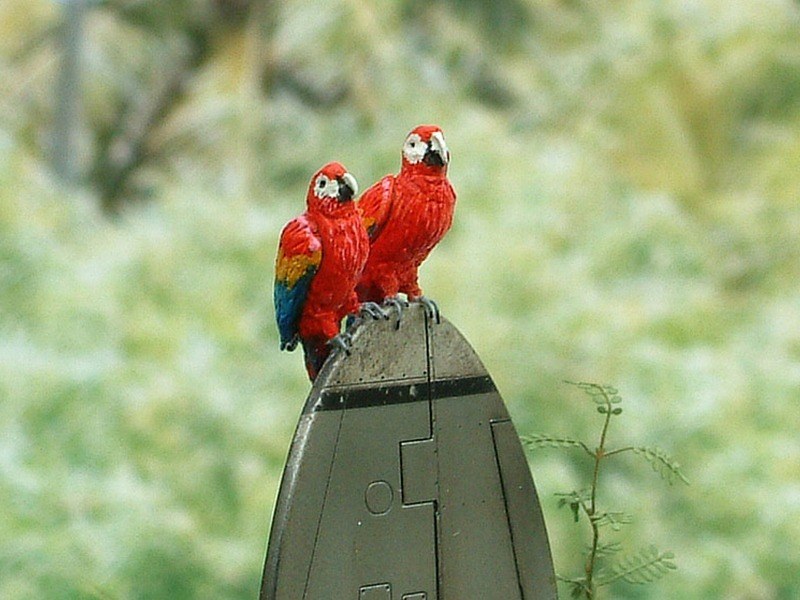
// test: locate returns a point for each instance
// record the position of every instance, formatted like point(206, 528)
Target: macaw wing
point(299, 256)
point(374, 205)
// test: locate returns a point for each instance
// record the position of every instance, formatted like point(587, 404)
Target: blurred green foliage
point(627, 176)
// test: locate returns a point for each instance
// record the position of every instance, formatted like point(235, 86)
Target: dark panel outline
point(386, 395)
point(503, 487)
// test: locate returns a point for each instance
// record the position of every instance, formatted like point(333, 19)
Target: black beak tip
point(433, 159)
point(345, 191)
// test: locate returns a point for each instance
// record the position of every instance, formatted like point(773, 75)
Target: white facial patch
point(414, 149)
point(326, 188)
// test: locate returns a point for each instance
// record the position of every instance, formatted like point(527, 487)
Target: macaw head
point(331, 188)
point(426, 150)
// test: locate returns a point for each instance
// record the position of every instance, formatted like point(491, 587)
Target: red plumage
point(406, 215)
point(320, 259)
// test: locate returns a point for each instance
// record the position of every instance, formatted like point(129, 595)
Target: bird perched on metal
point(320, 259)
point(405, 216)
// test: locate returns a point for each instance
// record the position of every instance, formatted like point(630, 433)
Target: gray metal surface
point(406, 480)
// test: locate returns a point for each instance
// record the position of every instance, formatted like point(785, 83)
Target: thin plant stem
point(619, 451)
point(647, 565)
point(599, 454)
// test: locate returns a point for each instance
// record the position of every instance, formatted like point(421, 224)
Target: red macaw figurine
point(320, 259)
point(405, 216)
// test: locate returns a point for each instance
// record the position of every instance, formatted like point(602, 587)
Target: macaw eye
point(414, 148)
point(325, 187)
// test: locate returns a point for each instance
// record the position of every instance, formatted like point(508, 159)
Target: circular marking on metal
point(379, 497)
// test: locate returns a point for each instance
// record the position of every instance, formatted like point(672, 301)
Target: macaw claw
point(342, 341)
point(372, 309)
point(398, 304)
point(431, 309)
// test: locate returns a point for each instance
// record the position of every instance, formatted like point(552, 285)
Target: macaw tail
point(315, 352)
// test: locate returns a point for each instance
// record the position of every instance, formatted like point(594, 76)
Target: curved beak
point(437, 153)
point(348, 187)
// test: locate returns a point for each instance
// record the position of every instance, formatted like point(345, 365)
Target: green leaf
point(605, 550)
point(577, 585)
point(539, 440)
point(592, 389)
point(614, 519)
point(574, 500)
point(574, 496)
point(661, 462)
point(577, 590)
point(646, 566)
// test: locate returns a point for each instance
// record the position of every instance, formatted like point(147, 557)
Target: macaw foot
point(431, 308)
point(372, 309)
point(342, 341)
point(398, 304)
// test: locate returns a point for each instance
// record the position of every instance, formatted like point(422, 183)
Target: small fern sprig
point(606, 550)
point(613, 518)
point(540, 440)
point(576, 500)
point(649, 564)
point(645, 567)
point(665, 466)
point(577, 585)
